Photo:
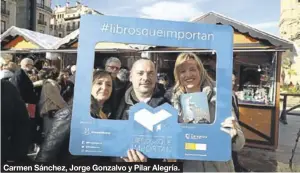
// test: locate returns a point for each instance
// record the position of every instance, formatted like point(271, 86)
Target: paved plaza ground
point(269, 161)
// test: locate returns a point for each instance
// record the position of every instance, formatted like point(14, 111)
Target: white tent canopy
point(104, 45)
point(44, 41)
point(66, 39)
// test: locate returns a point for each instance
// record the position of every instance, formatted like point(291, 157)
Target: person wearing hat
point(22, 82)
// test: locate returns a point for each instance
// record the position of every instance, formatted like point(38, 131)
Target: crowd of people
point(114, 90)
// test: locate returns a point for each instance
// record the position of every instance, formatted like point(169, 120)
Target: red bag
point(31, 110)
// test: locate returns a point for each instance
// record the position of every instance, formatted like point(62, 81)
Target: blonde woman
point(190, 76)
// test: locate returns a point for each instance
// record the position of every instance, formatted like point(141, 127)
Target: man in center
point(143, 77)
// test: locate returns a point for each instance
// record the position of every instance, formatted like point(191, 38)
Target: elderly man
point(143, 77)
point(113, 66)
point(22, 82)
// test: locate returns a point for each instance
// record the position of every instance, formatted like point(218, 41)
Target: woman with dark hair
point(38, 64)
point(55, 148)
point(67, 87)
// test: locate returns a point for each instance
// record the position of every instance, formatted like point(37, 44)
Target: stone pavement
point(259, 160)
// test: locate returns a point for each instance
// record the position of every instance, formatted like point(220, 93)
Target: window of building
point(68, 26)
point(73, 26)
point(41, 17)
point(41, 3)
point(60, 35)
point(78, 24)
point(3, 5)
point(41, 31)
point(3, 26)
point(60, 26)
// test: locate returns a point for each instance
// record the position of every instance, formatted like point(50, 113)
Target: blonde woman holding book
point(190, 76)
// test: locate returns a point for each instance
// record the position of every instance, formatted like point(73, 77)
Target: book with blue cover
point(195, 108)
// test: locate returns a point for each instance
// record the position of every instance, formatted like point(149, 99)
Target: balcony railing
point(41, 22)
point(71, 28)
point(44, 7)
point(5, 11)
point(72, 17)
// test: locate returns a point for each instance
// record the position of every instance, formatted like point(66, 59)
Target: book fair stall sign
point(153, 131)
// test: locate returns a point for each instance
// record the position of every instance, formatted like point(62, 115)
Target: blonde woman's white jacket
point(211, 166)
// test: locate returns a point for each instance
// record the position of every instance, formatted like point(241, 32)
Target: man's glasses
point(113, 67)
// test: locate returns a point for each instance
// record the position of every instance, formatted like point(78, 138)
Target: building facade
point(8, 14)
point(289, 23)
point(43, 16)
point(67, 19)
point(26, 14)
point(34, 15)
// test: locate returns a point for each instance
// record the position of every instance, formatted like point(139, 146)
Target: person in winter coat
point(55, 148)
point(73, 73)
point(67, 87)
point(7, 68)
point(190, 76)
point(113, 65)
point(22, 82)
point(50, 99)
point(15, 125)
point(237, 166)
point(144, 89)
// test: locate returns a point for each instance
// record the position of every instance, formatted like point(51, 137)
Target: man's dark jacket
point(119, 89)
point(129, 100)
point(15, 125)
point(55, 148)
point(25, 86)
